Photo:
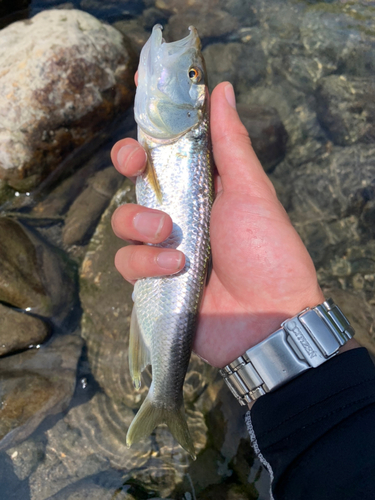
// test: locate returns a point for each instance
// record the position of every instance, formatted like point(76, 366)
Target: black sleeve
point(316, 434)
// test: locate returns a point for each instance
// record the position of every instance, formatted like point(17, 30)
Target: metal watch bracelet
point(305, 341)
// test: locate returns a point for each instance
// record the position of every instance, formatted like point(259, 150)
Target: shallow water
point(303, 73)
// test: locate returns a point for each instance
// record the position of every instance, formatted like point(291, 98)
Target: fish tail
point(149, 416)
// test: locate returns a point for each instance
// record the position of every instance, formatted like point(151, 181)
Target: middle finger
point(132, 222)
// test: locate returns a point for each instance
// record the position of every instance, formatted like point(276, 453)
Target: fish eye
point(195, 75)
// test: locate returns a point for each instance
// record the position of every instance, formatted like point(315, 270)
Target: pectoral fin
point(139, 354)
point(152, 177)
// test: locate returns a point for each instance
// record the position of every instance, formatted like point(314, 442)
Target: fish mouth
point(192, 40)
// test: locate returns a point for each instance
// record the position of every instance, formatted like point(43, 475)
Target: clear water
point(298, 58)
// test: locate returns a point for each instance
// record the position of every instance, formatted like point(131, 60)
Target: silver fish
point(171, 110)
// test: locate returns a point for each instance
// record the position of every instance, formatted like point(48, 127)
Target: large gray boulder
point(63, 75)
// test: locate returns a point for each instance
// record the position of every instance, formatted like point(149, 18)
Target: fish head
point(172, 87)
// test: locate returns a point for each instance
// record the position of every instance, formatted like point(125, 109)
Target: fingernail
point(149, 224)
point(170, 260)
point(229, 94)
point(126, 153)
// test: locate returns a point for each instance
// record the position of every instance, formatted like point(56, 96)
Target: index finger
point(129, 157)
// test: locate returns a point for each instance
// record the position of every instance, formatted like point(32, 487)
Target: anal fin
point(139, 355)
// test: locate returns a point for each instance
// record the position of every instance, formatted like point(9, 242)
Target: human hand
point(262, 272)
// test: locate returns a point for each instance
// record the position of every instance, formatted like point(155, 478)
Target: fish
point(172, 113)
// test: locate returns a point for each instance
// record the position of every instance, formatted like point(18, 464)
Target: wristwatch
point(305, 341)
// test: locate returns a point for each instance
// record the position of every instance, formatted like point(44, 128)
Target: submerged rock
point(225, 61)
point(34, 275)
point(91, 439)
point(217, 23)
point(346, 108)
point(26, 457)
point(267, 133)
point(341, 36)
point(35, 384)
point(87, 208)
point(360, 314)
point(82, 75)
point(20, 331)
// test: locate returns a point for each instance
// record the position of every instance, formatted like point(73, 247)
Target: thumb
point(235, 159)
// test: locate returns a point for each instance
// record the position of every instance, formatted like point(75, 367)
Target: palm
point(261, 274)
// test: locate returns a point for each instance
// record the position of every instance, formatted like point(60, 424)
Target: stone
point(112, 10)
point(19, 331)
point(346, 108)
point(153, 16)
point(91, 439)
point(341, 36)
point(178, 6)
point(134, 31)
point(85, 211)
point(241, 10)
point(267, 133)
point(297, 113)
point(106, 303)
point(217, 23)
point(91, 491)
point(225, 62)
point(82, 74)
point(34, 384)
point(34, 275)
point(26, 456)
point(359, 312)
point(329, 187)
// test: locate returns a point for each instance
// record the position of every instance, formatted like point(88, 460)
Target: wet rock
point(306, 137)
point(26, 457)
point(351, 268)
point(35, 384)
point(87, 208)
point(91, 439)
point(177, 6)
point(225, 62)
point(327, 236)
point(217, 23)
point(153, 16)
point(78, 85)
point(359, 312)
point(346, 108)
point(34, 275)
point(328, 187)
point(240, 9)
point(20, 331)
point(134, 31)
point(267, 133)
point(112, 10)
point(106, 302)
point(92, 491)
point(341, 36)
point(9, 6)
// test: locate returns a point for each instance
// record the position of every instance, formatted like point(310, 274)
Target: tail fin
point(149, 416)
